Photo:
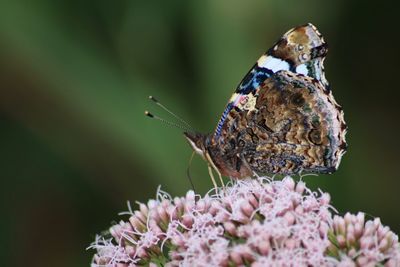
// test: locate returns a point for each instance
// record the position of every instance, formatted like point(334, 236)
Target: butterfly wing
point(300, 50)
point(289, 124)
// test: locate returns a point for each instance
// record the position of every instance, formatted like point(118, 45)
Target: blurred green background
point(75, 76)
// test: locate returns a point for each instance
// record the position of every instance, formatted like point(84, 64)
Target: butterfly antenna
point(170, 112)
point(150, 115)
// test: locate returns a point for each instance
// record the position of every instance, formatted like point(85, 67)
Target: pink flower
point(366, 243)
point(256, 222)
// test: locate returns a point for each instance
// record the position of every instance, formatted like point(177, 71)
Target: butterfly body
point(282, 117)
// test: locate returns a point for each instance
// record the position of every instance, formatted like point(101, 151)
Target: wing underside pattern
point(291, 124)
point(301, 50)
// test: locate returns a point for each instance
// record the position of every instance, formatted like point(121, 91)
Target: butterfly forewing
point(301, 50)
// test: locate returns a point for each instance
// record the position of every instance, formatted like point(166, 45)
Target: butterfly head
point(197, 142)
point(300, 45)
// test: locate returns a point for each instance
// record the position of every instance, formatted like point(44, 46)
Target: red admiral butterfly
point(282, 118)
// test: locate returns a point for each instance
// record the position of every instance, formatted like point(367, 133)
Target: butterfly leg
point(221, 180)
point(211, 166)
point(248, 166)
point(212, 178)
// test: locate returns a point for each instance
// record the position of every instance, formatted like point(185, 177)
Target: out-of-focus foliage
point(75, 76)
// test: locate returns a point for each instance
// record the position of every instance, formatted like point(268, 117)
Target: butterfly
point(282, 117)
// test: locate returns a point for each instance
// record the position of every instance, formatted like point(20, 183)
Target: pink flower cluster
point(361, 243)
point(258, 222)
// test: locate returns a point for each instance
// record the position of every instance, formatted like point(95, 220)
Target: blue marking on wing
point(253, 79)
point(222, 120)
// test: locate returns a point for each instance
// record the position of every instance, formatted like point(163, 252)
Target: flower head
point(367, 243)
point(258, 222)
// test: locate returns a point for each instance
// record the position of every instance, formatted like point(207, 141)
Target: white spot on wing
point(318, 69)
point(302, 69)
point(273, 63)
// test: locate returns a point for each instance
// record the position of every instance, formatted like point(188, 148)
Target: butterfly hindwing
point(289, 124)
